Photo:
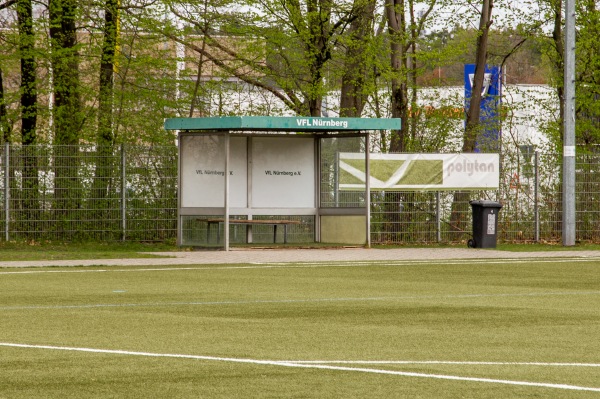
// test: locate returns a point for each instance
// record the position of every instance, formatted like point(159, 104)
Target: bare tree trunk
point(557, 37)
point(28, 79)
point(28, 108)
point(397, 28)
point(65, 67)
point(107, 67)
point(473, 114)
point(5, 127)
point(317, 51)
point(559, 44)
point(66, 106)
point(354, 80)
point(200, 65)
point(403, 62)
point(105, 167)
point(412, 77)
point(395, 15)
point(460, 206)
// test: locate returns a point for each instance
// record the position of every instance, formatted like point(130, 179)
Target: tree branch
point(233, 71)
point(7, 4)
point(512, 51)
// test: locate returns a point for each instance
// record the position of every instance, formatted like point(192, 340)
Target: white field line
point(308, 366)
point(434, 262)
point(302, 265)
point(292, 301)
point(444, 362)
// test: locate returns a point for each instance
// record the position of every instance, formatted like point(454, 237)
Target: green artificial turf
point(511, 313)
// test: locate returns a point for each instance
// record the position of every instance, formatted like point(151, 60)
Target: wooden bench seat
point(250, 223)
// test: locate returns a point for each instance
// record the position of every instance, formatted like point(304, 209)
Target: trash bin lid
point(485, 204)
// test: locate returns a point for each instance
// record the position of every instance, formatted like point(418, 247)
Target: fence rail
point(66, 193)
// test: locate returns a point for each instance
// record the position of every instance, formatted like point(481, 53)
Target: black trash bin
point(485, 223)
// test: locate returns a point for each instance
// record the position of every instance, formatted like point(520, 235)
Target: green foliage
point(293, 53)
point(588, 76)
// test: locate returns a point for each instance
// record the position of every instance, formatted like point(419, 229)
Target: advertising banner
point(491, 98)
point(420, 172)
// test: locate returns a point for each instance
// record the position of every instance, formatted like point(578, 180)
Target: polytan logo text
point(470, 167)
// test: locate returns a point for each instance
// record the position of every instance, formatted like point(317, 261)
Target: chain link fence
point(89, 193)
point(70, 193)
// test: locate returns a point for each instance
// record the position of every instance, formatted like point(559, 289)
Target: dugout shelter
point(255, 179)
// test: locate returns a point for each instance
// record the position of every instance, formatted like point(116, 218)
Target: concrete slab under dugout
point(272, 168)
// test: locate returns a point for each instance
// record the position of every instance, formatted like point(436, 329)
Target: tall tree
point(358, 59)
point(474, 112)
point(28, 78)
point(105, 136)
point(396, 17)
point(281, 47)
point(5, 127)
point(66, 112)
point(28, 105)
point(404, 29)
point(558, 57)
point(316, 33)
point(472, 128)
point(65, 70)
point(107, 67)
point(588, 75)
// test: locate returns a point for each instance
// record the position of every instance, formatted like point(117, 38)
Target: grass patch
point(21, 251)
point(542, 247)
point(501, 246)
point(36, 251)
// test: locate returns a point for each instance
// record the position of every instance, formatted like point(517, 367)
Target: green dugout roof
point(295, 123)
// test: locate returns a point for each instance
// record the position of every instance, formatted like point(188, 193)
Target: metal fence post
point(569, 219)
point(536, 190)
point(6, 192)
point(438, 217)
point(123, 194)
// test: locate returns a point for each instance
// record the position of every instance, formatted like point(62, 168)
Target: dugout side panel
point(346, 229)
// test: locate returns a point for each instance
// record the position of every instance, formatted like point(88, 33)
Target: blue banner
point(489, 138)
